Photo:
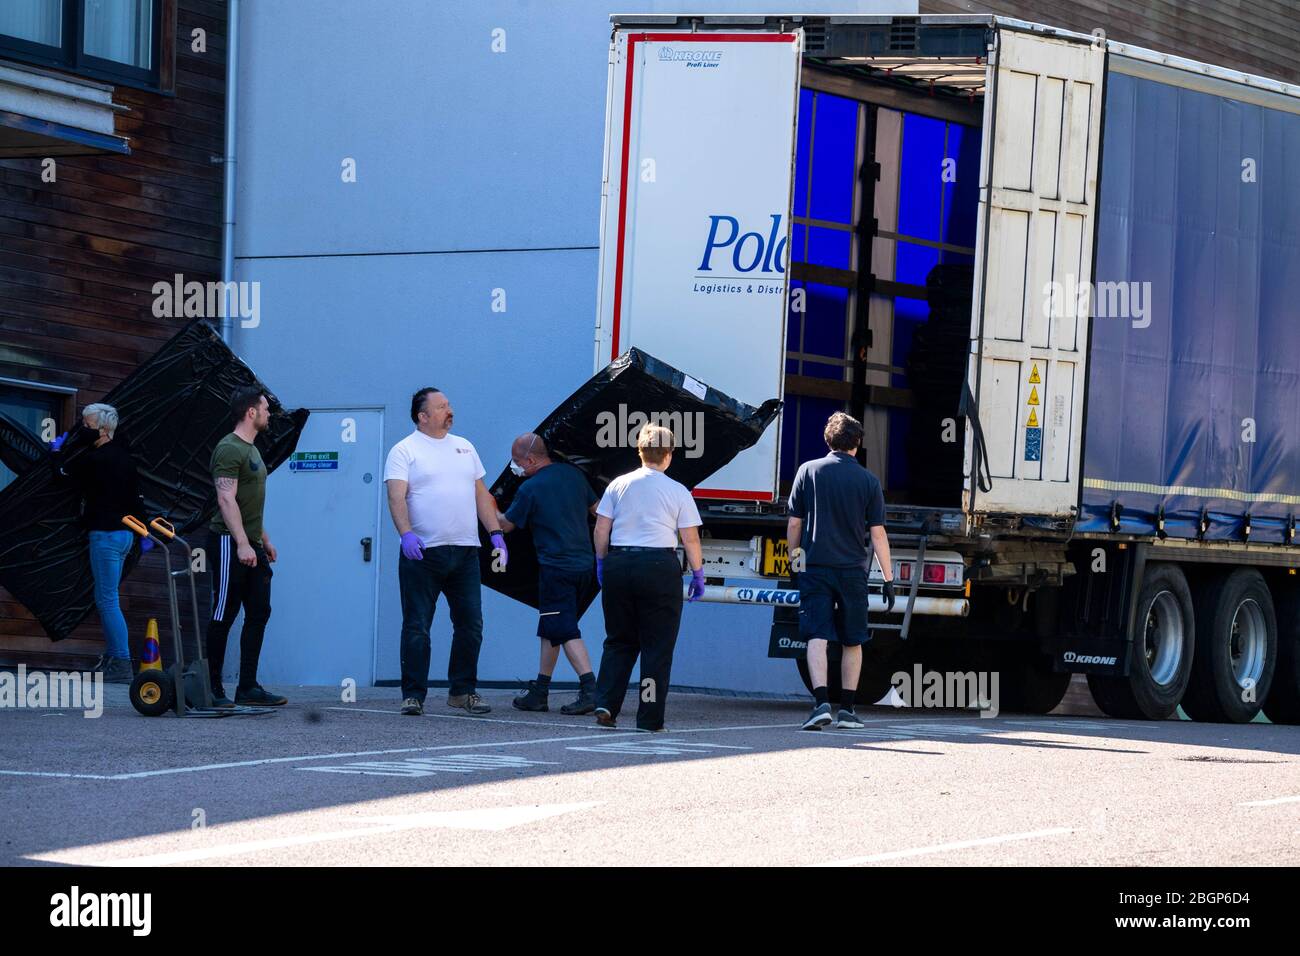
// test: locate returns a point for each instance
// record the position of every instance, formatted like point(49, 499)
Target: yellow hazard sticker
point(1033, 396)
point(1033, 377)
point(1033, 418)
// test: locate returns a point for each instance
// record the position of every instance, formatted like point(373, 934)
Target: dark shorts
point(833, 605)
point(560, 595)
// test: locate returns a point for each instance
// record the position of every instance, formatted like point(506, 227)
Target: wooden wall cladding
point(1254, 36)
point(78, 261)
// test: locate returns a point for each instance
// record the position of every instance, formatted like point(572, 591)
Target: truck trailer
point(1057, 279)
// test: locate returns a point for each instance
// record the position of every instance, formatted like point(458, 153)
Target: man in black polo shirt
point(832, 503)
point(554, 503)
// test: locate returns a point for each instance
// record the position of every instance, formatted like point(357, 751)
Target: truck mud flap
point(595, 429)
point(174, 408)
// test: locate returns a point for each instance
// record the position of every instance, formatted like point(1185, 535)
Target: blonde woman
point(637, 525)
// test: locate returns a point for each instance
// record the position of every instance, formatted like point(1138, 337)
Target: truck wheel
point(152, 693)
point(878, 665)
point(1028, 685)
point(1160, 662)
point(1282, 705)
point(1236, 649)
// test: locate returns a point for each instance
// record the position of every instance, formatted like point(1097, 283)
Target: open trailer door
point(1034, 247)
point(696, 217)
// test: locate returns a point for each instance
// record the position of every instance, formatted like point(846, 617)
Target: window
point(33, 409)
point(114, 40)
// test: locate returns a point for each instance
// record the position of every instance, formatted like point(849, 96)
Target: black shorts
point(833, 605)
point(560, 595)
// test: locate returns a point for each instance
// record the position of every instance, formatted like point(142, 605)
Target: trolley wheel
point(152, 693)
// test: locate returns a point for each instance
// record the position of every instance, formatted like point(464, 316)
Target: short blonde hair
point(654, 443)
point(105, 416)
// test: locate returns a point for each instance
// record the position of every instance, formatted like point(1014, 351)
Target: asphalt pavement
point(733, 781)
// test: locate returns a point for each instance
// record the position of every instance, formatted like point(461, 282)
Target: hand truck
point(185, 688)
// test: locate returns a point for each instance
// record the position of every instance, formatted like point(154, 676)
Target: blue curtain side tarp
point(1200, 216)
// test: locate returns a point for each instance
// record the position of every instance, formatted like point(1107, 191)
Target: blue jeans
point(451, 570)
point(108, 551)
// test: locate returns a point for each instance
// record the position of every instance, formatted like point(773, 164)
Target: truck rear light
point(933, 573)
point(904, 572)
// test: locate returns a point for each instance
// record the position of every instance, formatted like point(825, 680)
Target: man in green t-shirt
point(240, 551)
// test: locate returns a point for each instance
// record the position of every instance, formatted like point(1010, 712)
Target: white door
point(699, 156)
point(1029, 323)
point(321, 507)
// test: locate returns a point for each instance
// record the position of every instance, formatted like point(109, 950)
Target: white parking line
point(332, 756)
point(586, 722)
point(1269, 803)
point(73, 776)
point(602, 734)
point(946, 847)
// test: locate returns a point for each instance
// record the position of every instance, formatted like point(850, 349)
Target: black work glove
point(888, 591)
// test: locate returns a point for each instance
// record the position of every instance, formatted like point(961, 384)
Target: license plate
point(776, 558)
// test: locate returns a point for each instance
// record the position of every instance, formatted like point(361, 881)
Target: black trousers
point(642, 600)
point(236, 586)
point(450, 570)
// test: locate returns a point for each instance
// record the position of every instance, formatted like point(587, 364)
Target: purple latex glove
point(412, 547)
point(499, 541)
point(600, 570)
point(696, 590)
point(58, 442)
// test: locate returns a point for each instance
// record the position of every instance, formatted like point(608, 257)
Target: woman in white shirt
point(637, 524)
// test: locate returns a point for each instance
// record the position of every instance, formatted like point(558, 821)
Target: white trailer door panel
point(1034, 254)
point(695, 218)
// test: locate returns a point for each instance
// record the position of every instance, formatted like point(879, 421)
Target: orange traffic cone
point(151, 657)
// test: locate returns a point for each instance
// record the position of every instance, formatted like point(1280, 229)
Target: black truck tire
point(1282, 705)
point(1236, 649)
point(878, 665)
point(1160, 660)
point(1027, 684)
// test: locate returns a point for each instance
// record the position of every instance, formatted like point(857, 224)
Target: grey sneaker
point(471, 703)
point(411, 707)
point(819, 718)
point(117, 670)
point(848, 720)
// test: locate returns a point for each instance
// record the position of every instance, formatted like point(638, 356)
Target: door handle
point(365, 549)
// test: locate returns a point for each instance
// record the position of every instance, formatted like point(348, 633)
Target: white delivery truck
point(1054, 275)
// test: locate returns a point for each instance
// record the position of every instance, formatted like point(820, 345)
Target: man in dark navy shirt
point(554, 504)
point(833, 502)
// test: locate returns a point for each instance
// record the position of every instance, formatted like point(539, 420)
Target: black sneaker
point(605, 719)
point(412, 707)
point(819, 718)
point(117, 670)
point(848, 720)
point(258, 696)
point(534, 698)
point(219, 698)
point(585, 704)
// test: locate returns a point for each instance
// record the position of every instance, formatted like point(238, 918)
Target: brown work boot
point(472, 703)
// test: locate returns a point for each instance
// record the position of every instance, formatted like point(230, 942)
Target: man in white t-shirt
point(435, 495)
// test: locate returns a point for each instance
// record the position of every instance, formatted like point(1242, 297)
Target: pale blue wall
point(475, 171)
